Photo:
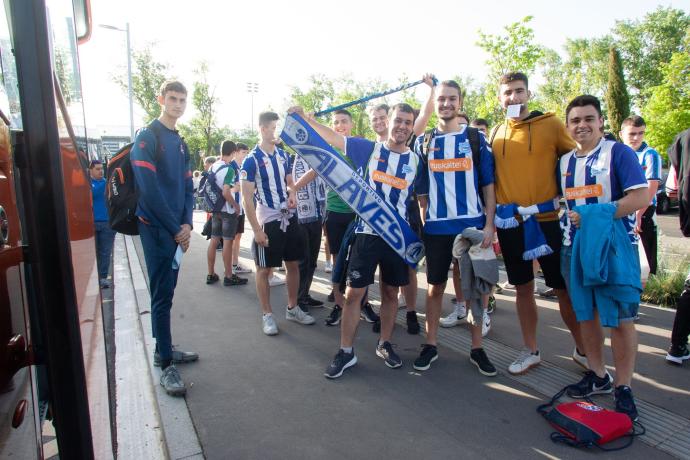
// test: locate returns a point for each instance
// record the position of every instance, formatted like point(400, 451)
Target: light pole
point(252, 88)
point(129, 75)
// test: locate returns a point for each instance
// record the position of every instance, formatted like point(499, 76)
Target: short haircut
point(94, 163)
point(343, 112)
point(453, 84)
point(480, 122)
point(172, 85)
point(267, 117)
point(210, 160)
point(227, 148)
point(384, 107)
point(635, 121)
point(465, 116)
point(242, 146)
point(402, 107)
point(514, 76)
point(583, 101)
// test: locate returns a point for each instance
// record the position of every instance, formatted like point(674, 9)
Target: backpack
point(210, 192)
point(122, 195)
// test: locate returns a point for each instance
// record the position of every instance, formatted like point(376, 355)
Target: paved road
point(253, 396)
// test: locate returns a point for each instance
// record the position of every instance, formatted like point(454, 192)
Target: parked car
point(667, 195)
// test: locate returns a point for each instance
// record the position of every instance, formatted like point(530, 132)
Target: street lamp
point(252, 88)
point(129, 75)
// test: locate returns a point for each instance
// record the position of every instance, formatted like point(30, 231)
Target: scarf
point(308, 206)
point(535, 241)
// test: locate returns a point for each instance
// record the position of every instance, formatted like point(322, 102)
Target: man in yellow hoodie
point(526, 148)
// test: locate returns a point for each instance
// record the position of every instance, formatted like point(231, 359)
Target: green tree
point(147, 77)
point(667, 106)
point(617, 98)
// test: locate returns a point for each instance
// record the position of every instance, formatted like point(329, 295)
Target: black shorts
point(520, 270)
point(240, 224)
point(223, 225)
point(282, 246)
point(439, 254)
point(336, 224)
point(370, 251)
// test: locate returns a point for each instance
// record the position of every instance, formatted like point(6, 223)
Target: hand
point(296, 109)
point(236, 207)
point(638, 222)
point(428, 80)
point(291, 202)
point(261, 238)
point(488, 236)
point(184, 235)
point(574, 218)
point(184, 246)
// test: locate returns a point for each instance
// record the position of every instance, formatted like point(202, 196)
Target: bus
point(53, 370)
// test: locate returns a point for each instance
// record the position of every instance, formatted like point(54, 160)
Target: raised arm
point(423, 118)
point(330, 136)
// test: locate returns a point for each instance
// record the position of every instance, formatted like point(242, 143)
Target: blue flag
point(353, 189)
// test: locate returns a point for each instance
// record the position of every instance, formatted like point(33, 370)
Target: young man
point(104, 234)
point(240, 154)
point(632, 134)
point(601, 171)
point(265, 174)
point(526, 148)
point(224, 222)
point(160, 162)
point(392, 170)
point(451, 202)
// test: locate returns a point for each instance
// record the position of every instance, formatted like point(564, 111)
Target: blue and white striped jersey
point(452, 182)
point(269, 173)
point(602, 176)
point(393, 175)
point(650, 160)
point(237, 195)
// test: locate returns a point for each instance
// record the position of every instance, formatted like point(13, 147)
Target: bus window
point(9, 89)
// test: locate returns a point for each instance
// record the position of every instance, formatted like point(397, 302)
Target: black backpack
point(210, 192)
point(121, 192)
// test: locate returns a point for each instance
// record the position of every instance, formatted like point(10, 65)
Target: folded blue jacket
point(605, 266)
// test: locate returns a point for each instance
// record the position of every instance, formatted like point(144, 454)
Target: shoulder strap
point(493, 133)
point(156, 134)
point(473, 137)
point(427, 142)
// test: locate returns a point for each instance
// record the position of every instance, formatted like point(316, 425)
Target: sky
point(279, 44)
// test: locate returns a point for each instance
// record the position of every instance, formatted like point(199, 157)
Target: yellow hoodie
point(526, 154)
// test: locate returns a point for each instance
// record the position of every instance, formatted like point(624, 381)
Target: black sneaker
point(234, 280)
point(178, 357)
point(590, 385)
point(368, 314)
point(172, 382)
point(210, 279)
point(331, 296)
point(676, 355)
point(428, 355)
point(478, 358)
point(341, 362)
point(390, 357)
point(625, 403)
point(412, 322)
point(376, 327)
point(334, 318)
point(492, 305)
point(312, 302)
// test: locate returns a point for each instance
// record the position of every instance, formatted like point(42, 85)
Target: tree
point(617, 98)
point(147, 77)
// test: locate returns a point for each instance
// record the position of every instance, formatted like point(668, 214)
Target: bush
point(665, 287)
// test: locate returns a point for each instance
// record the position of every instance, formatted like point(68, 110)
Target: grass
point(665, 287)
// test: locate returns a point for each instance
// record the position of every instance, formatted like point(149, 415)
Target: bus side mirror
point(82, 20)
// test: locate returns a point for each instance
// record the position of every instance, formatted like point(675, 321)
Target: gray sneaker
point(269, 325)
point(178, 357)
point(172, 382)
point(297, 314)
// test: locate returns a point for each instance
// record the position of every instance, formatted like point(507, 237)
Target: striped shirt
point(221, 170)
point(601, 176)
point(393, 175)
point(650, 160)
point(453, 183)
point(237, 195)
point(269, 173)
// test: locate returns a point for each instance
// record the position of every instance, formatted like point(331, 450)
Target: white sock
point(267, 314)
point(347, 350)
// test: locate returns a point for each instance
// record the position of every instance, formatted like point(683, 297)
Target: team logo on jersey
point(451, 165)
point(406, 169)
point(243, 175)
point(599, 171)
point(395, 182)
point(464, 148)
point(583, 192)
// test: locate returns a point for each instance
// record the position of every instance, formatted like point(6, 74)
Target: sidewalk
point(253, 396)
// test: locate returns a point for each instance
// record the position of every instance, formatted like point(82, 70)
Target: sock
point(536, 353)
point(461, 303)
point(268, 314)
point(475, 349)
point(347, 350)
point(577, 350)
point(380, 342)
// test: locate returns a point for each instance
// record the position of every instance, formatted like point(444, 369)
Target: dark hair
point(635, 121)
point(343, 112)
point(453, 84)
point(94, 163)
point(463, 115)
point(241, 146)
point(378, 107)
point(227, 148)
point(402, 107)
point(480, 122)
point(209, 160)
point(267, 117)
point(172, 85)
point(514, 76)
point(583, 101)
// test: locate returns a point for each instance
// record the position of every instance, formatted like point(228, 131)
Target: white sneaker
point(458, 313)
point(486, 323)
point(580, 359)
point(524, 362)
point(269, 325)
point(281, 268)
point(506, 285)
point(276, 280)
point(329, 267)
point(298, 315)
point(240, 269)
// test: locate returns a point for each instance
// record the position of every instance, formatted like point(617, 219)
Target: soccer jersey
point(453, 182)
point(268, 172)
point(224, 173)
point(393, 175)
point(601, 176)
point(650, 160)
point(236, 195)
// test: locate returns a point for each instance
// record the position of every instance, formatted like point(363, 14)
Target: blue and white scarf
point(535, 241)
point(353, 189)
point(309, 196)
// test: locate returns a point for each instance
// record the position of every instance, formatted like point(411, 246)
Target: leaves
point(617, 98)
